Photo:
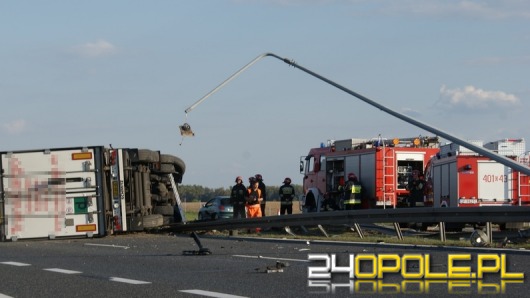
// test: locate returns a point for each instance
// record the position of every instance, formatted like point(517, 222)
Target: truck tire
point(167, 168)
point(153, 221)
point(179, 164)
point(146, 155)
point(167, 210)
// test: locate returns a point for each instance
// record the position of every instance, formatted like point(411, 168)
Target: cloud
point(411, 112)
point(95, 49)
point(15, 127)
point(471, 98)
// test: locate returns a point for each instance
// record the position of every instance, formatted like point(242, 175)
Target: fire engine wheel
point(146, 155)
point(153, 221)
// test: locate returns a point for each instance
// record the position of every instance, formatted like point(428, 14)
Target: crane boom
point(481, 150)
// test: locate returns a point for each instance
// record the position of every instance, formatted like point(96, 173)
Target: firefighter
point(286, 197)
point(263, 189)
point(416, 187)
point(238, 198)
point(251, 181)
point(254, 199)
point(352, 194)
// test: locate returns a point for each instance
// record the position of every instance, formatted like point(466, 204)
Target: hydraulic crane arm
point(237, 73)
point(481, 150)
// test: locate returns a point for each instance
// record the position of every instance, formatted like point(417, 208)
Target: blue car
point(216, 208)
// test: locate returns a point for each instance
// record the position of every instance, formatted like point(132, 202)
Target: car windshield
point(225, 201)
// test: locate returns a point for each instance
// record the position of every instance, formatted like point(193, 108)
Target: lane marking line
point(211, 294)
point(15, 264)
point(59, 270)
point(270, 258)
point(129, 281)
point(107, 245)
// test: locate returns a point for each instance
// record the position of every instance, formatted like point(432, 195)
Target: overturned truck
point(87, 192)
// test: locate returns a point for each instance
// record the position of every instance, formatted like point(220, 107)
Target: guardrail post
point(398, 231)
point(357, 228)
point(489, 232)
point(321, 228)
point(442, 231)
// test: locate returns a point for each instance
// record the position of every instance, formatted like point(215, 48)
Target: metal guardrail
point(468, 215)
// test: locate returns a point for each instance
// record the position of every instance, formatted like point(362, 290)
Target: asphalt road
point(153, 265)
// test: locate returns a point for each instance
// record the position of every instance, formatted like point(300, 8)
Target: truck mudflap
point(51, 193)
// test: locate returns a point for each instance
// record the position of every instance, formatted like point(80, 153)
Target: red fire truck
point(383, 167)
point(463, 178)
point(455, 176)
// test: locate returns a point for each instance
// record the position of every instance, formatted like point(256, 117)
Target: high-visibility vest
point(355, 196)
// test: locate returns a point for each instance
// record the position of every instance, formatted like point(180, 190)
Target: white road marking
point(129, 281)
point(4, 296)
point(211, 294)
point(107, 245)
point(270, 258)
point(59, 270)
point(15, 264)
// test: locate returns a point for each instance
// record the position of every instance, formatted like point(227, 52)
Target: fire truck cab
point(382, 166)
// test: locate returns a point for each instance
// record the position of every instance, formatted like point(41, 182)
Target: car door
point(210, 208)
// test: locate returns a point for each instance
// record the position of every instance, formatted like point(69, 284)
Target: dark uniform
point(286, 197)
point(238, 198)
point(416, 186)
point(352, 194)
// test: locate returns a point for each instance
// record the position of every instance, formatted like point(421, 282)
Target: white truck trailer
point(87, 192)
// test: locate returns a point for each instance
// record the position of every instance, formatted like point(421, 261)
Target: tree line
point(199, 193)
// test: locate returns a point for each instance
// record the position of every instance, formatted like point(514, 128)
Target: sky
point(87, 73)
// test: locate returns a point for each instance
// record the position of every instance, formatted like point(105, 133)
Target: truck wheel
point(146, 155)
point(153, 221)
point(179, 164)
point(167, 210)
point(167, 168)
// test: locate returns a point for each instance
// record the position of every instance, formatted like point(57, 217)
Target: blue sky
point(75, 73)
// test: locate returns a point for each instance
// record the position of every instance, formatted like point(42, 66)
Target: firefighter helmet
point(258, 177)
point(287, 180)
point(251, 179)
point(351, 176)
point(239, 178)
